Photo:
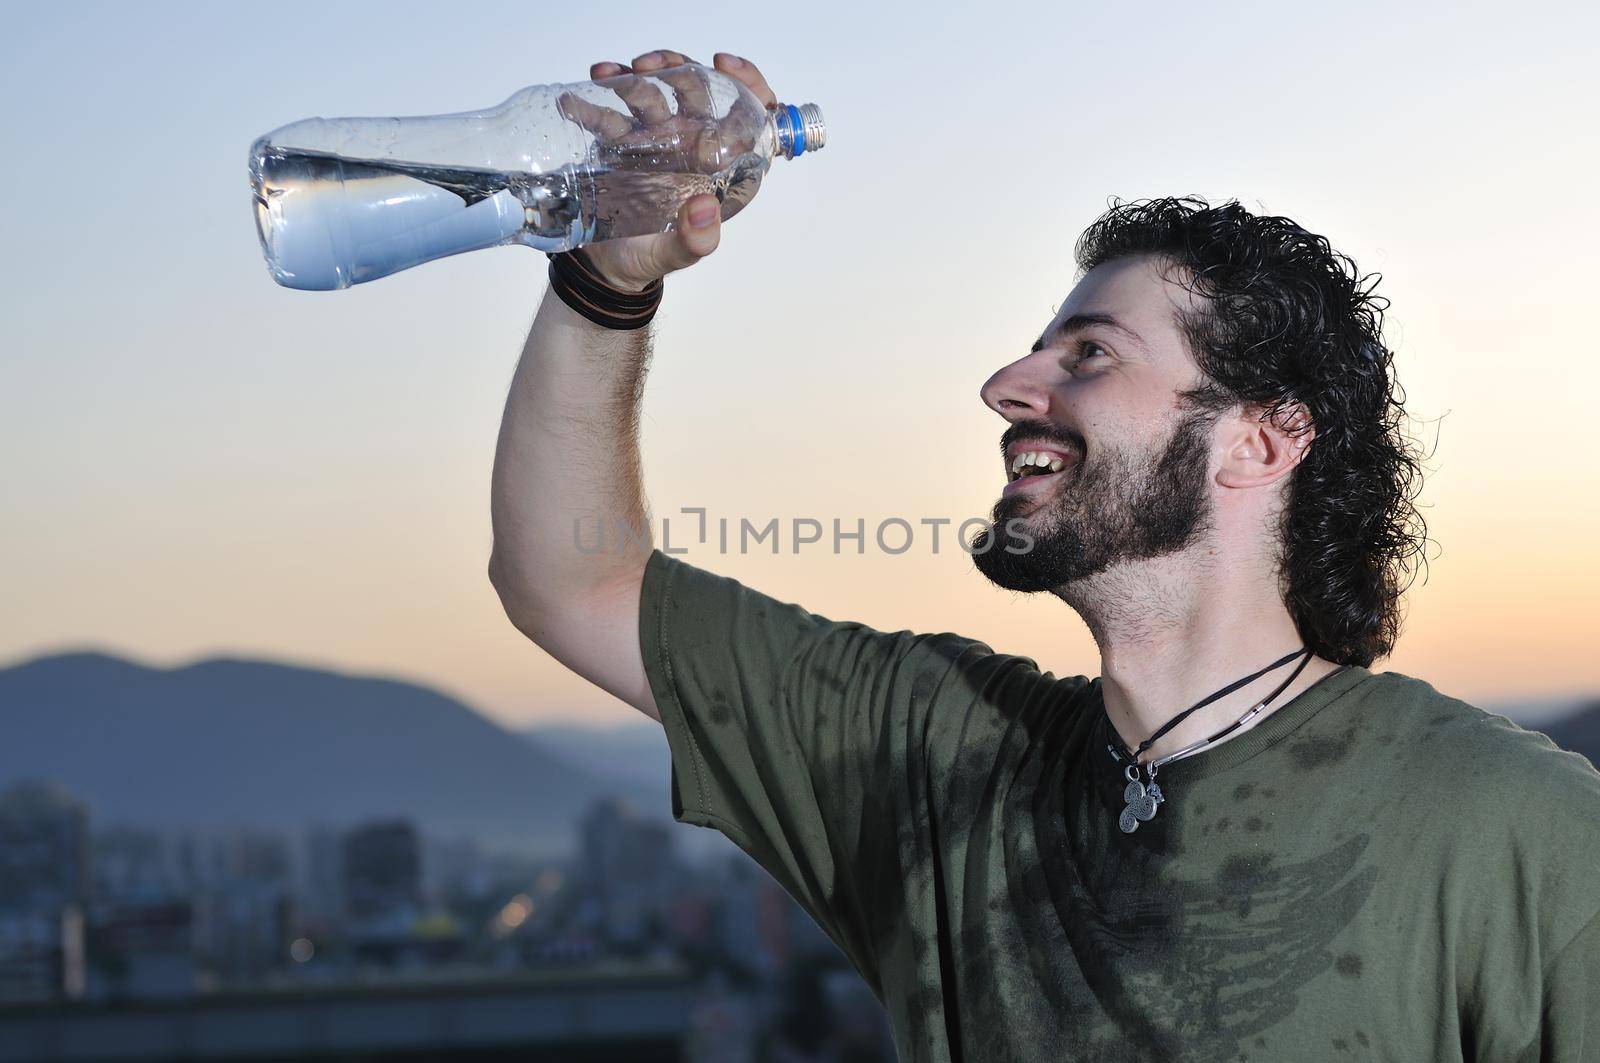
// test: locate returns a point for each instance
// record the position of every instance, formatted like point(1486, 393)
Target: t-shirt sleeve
point(1570, 1025)
point(1533, 920)
point(788, 732)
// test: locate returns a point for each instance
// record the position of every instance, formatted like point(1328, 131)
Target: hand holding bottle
point(634, 262)
point(343, 201)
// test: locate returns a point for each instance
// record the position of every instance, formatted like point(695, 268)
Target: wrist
point(592, 295)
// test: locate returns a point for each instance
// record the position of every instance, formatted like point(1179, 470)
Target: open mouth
point(1034, 467)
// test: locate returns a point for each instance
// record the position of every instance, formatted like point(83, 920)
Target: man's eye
point(1090, 349)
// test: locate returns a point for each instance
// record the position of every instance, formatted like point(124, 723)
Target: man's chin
point(1010, 556)
point(1014, 572)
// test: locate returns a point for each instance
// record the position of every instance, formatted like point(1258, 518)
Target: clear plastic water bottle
point(342, 201)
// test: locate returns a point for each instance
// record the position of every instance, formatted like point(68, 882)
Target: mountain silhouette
point(258, 743)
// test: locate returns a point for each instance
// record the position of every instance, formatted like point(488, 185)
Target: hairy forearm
point(567, 468)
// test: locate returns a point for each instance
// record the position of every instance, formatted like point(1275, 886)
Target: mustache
point(1047, 431)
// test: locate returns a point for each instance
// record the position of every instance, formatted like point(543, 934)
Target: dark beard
point(1121, 507)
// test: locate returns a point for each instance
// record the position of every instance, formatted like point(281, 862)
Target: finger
point(644, 99)
point(660, 59)
point(603, 122)
point(606, 69)
point(695, 234)
point(635, 262)
point(689, 86)
point(694, 98)
point(746, 71)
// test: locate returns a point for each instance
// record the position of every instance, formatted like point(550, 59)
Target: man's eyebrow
point(1079, 322)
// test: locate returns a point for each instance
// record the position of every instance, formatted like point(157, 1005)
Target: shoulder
point(1510, 805)
point(1480, 753)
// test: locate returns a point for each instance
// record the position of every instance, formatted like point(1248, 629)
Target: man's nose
point(1022, 389)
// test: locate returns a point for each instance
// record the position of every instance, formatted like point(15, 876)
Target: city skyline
point(207, 465)
point(135, 938)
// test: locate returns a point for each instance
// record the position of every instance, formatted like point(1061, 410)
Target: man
point(1204, 451)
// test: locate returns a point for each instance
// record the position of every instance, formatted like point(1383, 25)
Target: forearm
point(567, 471)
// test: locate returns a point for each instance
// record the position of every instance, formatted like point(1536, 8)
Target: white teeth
point(1038, 458)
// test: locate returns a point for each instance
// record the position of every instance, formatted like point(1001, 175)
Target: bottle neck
point(798, 129)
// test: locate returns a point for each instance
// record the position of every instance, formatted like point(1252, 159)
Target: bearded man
point(1239, 841)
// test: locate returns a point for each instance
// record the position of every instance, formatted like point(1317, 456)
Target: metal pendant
point(1141, 800)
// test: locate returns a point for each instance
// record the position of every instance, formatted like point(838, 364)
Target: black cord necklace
point(1143, 798)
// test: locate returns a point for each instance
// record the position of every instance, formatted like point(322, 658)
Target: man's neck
point(1176, 629)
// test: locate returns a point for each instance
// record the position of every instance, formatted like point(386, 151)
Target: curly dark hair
point(1288, 321)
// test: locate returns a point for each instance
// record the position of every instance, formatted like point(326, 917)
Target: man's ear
point(1260, 447)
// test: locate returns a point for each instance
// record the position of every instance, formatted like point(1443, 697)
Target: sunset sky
point(200, 462)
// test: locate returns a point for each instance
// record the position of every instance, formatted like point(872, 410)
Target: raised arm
point(567, 461)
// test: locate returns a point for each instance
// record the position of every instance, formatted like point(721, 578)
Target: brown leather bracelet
point(575, 280)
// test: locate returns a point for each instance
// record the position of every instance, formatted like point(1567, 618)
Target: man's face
point(1104, 463)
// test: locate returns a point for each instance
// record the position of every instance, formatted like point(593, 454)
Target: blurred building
point(243, 929)
point(758, 922)
point(455, 869)
point(142, 951)
point(212, 906)
point(131, 864)
point(44, 886)
point(386, 923)
point(42, 955)
point(44, 848)
point(245, 913)
point(321, 880)
point(381, 869)
point(629, 869)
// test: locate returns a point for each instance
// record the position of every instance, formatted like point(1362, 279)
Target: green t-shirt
point(1375, 871)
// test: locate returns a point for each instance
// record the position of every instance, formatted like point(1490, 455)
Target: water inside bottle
point(329, 221)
